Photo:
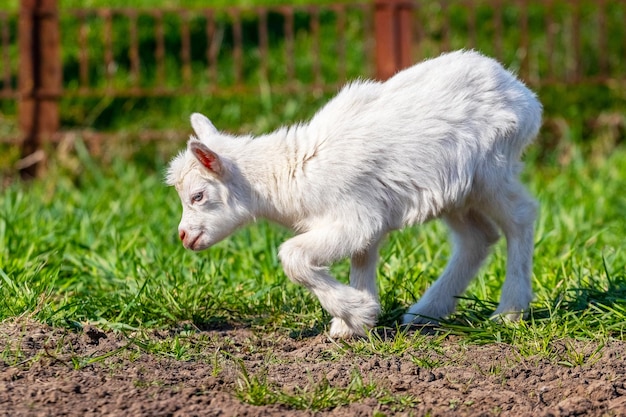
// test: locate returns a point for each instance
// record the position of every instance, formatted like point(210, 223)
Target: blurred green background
point(568, 50)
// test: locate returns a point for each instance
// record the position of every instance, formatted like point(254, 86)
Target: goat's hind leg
point(473, 233)
point(514, 211)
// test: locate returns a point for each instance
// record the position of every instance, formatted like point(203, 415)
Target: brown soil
point(50, 376)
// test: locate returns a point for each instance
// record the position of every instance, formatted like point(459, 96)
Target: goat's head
point(206, 185)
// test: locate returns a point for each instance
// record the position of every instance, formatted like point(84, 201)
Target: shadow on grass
point(591, 295)
point(590, 310)
point(593, 307)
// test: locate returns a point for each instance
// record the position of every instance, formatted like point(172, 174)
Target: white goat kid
point(440, 139)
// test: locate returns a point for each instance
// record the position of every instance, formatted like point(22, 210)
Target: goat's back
point(422, 138)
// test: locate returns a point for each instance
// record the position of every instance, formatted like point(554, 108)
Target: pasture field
point(99, 243)
point(96, 287)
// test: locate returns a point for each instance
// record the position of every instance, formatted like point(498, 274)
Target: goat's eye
point(197, 197)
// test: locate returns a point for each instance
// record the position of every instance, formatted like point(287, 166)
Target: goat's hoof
point(339, 329)
point(509, 316)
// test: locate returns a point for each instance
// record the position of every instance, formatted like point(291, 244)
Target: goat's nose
point(182, 234)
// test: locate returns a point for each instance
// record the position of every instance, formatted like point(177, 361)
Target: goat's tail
point(528, 114)
point(531, 119)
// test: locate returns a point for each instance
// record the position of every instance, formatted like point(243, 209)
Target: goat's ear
point(209, 159)
point(202, 125)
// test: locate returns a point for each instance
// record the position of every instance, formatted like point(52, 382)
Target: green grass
point(318, 396)
point(99, 245)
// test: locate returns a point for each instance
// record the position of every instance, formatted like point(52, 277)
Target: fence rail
point(557, 42)
point(48, 53)
point(219, 50)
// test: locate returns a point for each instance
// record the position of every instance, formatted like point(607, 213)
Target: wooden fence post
point(39, 80)
point(392, 26)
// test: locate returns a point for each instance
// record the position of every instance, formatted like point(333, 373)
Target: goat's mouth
point(193, 245)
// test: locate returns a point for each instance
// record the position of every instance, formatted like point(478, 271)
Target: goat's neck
point(272, 166)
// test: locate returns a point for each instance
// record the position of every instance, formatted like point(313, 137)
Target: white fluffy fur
point(441, 139)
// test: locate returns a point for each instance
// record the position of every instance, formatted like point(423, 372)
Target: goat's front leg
point(363, 278)
point(305, 259)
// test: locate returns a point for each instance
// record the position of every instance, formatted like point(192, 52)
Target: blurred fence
point(48, 53)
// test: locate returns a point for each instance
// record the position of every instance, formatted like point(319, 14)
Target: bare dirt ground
point(51, 375)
